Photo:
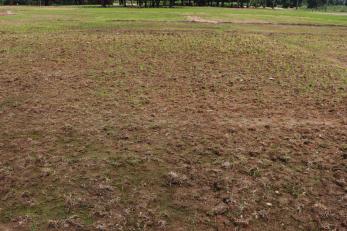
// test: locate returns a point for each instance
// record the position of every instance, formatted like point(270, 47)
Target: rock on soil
point(174, 178)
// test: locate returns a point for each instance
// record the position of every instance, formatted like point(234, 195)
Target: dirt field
point(182, 127)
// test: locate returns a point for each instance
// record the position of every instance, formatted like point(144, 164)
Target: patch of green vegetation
point(254, 172)
point(85, 216)
point(36, 135)
point(63, 18)
point(293, 188)
point(172, 212)
point(103, 93)
point(124, 160)
point(40, 212)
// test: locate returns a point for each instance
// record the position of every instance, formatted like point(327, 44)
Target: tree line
point(172, 3)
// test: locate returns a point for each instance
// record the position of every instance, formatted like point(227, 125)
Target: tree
point(105, 3)
point(315, 3)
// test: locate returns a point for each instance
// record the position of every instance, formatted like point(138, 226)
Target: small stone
point(174, 178)
point(226, 164)
point(268, 204)
point(241, 222)
point(340, 182)
point(162, 223)
point(227, 199)
point(100, 227)
point(46, 172)
point(263, 214)
point(105, 187)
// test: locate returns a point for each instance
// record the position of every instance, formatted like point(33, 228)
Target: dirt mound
point(198, 19)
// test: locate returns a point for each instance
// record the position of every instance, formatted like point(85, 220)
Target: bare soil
point(173, 130)
point(248, 21)
point(199, 19)
point(6, 13)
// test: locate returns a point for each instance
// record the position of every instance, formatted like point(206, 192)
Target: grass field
point(172, 119)
point(72, 18)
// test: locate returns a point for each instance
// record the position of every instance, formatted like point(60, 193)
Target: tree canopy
point(171, 3)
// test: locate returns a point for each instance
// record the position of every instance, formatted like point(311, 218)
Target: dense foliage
point(171, 3)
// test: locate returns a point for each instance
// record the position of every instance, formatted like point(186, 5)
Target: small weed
point(254, 172)
point(293, 189)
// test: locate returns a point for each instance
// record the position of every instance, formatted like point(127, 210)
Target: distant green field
point(53, 18)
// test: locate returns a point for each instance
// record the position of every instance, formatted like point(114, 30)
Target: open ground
point(172, 119)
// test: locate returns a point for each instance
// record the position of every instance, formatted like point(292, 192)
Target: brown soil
point(171, 130)
point(5, 228)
